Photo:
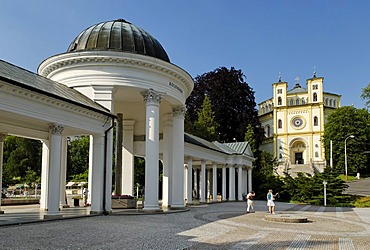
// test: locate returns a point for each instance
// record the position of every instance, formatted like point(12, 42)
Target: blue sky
point(262, 38)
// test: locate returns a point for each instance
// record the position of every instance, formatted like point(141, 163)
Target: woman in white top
point(270, 202)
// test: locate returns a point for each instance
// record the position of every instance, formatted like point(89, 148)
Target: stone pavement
point(204, 226)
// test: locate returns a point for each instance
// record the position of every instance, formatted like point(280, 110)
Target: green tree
point(205, 127)
point(77, 155)
point(365, 95)
point(343, 122)
point(232, 101)
point(21, 156)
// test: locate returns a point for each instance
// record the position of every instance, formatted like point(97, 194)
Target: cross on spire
point(297, 80)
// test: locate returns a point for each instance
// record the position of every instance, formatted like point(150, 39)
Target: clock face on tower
point(298, 122)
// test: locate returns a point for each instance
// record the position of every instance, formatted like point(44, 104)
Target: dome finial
point(279, 77)
point(314, 71)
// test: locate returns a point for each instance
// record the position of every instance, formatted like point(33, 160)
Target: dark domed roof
point(118, 35)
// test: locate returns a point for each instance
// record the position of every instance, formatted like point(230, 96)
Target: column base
point(53, 216)
point(96, 212)
point(153, 211)
point(177, 207)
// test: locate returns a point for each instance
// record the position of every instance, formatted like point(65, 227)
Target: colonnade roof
point(26, 79)
point(233, 148)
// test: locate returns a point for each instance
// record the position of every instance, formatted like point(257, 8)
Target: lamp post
point(345, 154)
point(324, 182)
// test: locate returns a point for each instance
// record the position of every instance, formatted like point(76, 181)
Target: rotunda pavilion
point(126, 70)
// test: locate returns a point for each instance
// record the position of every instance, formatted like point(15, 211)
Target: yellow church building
point(293, 121)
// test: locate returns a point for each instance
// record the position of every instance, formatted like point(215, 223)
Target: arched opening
point(297, 152)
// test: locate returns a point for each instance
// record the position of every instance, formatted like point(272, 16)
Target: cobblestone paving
point(205, 226)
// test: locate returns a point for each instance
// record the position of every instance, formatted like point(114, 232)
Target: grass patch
point(361, 201)
point(350, 178)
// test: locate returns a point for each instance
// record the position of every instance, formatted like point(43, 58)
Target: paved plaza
point(205, 226)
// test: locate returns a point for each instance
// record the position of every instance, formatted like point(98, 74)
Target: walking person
point(270, 201)
point(249, 198)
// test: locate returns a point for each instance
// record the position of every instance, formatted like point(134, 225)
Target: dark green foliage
point(77, 156)
point(22, 160)
point(139, 171)
point(205, 127)
point(343, 122)
point(232, 101)
point(310, 189)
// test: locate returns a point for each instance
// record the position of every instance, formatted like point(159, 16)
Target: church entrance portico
point(298, 152)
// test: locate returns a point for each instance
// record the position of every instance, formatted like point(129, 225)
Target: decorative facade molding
point(111, 58)
point(152, 97)
point(19, 92)
point(56, 129)
point(179, 111)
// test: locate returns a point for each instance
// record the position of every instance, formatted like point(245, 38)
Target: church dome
point(118, 35)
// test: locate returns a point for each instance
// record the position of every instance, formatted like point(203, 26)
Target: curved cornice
point(20, 92)
point(111, 58)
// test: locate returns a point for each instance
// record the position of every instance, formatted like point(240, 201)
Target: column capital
point(152, 97)
point(56, 129)
point(2, 136)
point(179, 111)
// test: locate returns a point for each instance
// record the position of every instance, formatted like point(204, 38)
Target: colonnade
point(206, 187)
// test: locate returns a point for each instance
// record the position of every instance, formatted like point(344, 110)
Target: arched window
point(314, 97)
point(326, 101)
point(291, 102)
point(330, 102)
point(335, 103)
point(315, 121)
point(268, 131)
point(316, 154)
point(279, 100)
point(263, 110)
point(280, 123)
point(297, 102)
point(303, 101)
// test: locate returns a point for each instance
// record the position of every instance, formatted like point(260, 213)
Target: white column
point(224, 183)
point(167, 161)
point(128, 158)
point(196, 183)
point(2, 137)
point(178, 157)
point(108, 171)
point(53, 184)
point(250, 179)
point(214, 180)
point(91, 160)
point(97, 177)
point(245, 181)
point(190, 180)
point(185, 183)
point(231, 183)
point(203, 182)
point(152, 99)
point(44, 175)
point(208, 184)
point(63, 174)
point(119, 176)
point(240, 183)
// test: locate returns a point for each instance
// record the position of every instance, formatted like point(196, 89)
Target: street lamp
point(345, 154)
